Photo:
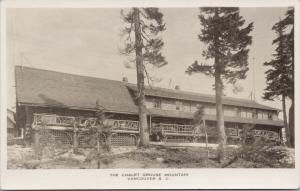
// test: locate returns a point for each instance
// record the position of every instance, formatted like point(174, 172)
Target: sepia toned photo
point(133, 87)
point(145, 88)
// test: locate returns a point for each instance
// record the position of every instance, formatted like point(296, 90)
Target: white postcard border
point(197, 178)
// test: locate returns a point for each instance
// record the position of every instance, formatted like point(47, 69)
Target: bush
point(47, 145)
point(260, 150)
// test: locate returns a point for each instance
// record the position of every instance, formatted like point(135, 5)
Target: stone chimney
point(125, 79)
point(177, 87)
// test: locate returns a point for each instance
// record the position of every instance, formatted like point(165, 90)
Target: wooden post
point(206, 138)
point(109, 141)
point(75, 138)
point(36, 138)
point(150, 124)
point(37, 149)
point(28, 128)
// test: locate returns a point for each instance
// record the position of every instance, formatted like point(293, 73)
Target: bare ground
point(130, 157)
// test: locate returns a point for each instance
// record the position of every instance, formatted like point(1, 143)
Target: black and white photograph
point(149, 87)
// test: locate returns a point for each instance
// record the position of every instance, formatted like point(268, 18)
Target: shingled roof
point(49, 88)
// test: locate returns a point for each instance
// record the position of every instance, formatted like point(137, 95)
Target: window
point(243, 113)
point(265, 115)
point(229, 111)
point(270, 115)
point(213, 110)
point(259, 115)
point(254, 114)
point(186, 106)
point(275, 116)
point(249, 114)
point(246, 113)
point(157, 103)
point(207, 109)
point(178, 105)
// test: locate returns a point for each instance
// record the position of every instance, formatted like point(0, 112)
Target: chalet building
point(56, 100)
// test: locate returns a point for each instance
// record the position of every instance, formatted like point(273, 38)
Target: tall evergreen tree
point(280, 76)
point(227, 40)
point(288, 24)
point(143, 45)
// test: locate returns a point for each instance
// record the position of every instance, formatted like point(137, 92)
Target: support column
point(36, 137)
point(150, 124)
point(75, 141)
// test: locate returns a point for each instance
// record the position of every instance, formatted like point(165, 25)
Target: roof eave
point(73, 107)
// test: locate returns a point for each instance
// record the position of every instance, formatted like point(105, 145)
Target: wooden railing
point(51, 120)
point(69, 121)
point(271, 135)
point(172, 128)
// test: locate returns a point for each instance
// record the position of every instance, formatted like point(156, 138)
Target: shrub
point(261, 150)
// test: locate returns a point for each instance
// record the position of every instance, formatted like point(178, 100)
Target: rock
point(160, 159)
point(32, 164)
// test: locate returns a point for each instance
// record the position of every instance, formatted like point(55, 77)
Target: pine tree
point(280, 76)
point(227, 41)
point(288, 24)
point(143, 45)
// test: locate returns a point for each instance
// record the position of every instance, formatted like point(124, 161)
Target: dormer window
point(157, 103)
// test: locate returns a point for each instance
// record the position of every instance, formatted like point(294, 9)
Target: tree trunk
point(287, 133)
point(144, 134)
point(291, 125)
point(220, 115)
point(219, 93)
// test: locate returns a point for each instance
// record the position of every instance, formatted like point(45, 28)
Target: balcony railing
point(50, 120)
point(173, 128)
point(68, 122)
point(190, 130)
point(53, 120)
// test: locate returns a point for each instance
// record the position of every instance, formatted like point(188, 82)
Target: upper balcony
point(244, 113)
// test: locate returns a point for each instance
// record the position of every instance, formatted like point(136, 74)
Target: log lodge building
point(56, 100)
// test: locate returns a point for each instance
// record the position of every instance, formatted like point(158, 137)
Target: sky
point(87, 41)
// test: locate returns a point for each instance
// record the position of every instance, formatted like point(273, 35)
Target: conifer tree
point(143, 46)
point(280, 75)
point(227, 40)
point(288, 23)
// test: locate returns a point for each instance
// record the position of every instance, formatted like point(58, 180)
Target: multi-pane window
point(259, 114)
point(213, 110)
point(186, 106)
point(266, 115)
point(243, 113)
point(207, 109)
point(275, 116)
point(246, 113)
point(210, 109)
point(157, 103)
point(270, 115)
point(230, 111)
point(254, 114)
point(178, 105)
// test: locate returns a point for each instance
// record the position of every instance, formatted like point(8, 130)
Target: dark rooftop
point(50, 88)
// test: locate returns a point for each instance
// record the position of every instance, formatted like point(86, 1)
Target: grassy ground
point(131, 157)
